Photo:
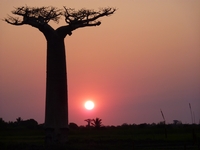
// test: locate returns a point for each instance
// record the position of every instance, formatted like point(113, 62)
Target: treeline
point(20, 124)
point(92, 123)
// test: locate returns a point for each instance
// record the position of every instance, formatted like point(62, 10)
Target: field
point(127, 137)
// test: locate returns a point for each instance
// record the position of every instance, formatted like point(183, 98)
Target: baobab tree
point(56, 109)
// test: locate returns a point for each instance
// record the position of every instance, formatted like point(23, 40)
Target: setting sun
point(89, 105)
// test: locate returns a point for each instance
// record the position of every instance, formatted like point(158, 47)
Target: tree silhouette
point(97, 123)
point(3, 124)
point(56, 109)
point(88, 122)
point(19, 119)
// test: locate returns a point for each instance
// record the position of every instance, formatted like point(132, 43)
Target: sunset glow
point(89, 105)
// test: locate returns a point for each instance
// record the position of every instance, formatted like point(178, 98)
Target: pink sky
point(144, 58)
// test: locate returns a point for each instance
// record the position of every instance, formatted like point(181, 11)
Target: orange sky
point(142, 59)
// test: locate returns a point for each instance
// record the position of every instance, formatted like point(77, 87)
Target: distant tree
point(88, 122)
point(153, 124)
point(161, 123)
point(97, 123)
point(2, 123)
point(143, 125)
point(177, 122)
point(124, 125)
point(19, 120)
point(73, 126)
point(30, 123)
point(56, 111)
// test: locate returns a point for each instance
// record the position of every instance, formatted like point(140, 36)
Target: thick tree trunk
point(56, 111)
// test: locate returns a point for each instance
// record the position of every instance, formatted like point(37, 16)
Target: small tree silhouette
point(56, 111)
point(97, 123)
point(19, 119)
point(89, 121)
point(73, 125)
point(2, 123)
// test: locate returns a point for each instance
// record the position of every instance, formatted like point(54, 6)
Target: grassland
point(133, 137)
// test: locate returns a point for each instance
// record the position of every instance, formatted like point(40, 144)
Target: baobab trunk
point(56, 111)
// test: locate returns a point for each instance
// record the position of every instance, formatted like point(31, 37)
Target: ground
point(134, 137)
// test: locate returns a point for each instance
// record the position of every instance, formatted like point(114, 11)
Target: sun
point(89, 105)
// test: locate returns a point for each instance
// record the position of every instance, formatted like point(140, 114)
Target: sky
point(140, 60)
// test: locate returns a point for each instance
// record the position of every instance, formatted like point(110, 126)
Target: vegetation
point(97, 123)
point(88, 122)
point(126, 136)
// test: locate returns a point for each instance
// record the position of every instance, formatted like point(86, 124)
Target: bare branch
point(86, 17)
point(34, 16)
point(13, 21)
point(82, 18)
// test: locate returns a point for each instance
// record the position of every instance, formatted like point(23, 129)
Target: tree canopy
point(40, 16)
